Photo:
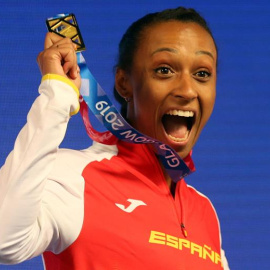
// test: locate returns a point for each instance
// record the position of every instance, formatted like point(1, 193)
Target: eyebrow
point(205, 52)
point(175, 51)
point(165, 49)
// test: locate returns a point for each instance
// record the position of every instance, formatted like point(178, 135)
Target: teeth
point(178, 139)
point(181, 113)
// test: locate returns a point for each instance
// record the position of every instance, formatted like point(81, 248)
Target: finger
point(63, 43)
point(53, 39)
point(69, 58)
point(50, 39)
point(70, 65)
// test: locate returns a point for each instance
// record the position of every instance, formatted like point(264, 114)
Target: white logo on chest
point(133, 205)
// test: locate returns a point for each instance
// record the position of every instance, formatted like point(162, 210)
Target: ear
point(122, 84)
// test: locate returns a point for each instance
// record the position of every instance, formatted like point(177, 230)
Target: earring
point(127, 99)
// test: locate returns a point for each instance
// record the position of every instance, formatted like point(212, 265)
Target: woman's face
point(173, 84)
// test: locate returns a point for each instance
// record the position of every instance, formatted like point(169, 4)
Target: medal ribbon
point(97, 100)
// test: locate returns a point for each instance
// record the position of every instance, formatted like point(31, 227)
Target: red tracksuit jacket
point(106, 207)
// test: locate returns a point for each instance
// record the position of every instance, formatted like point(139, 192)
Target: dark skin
point(174, 69)
point(59, 57)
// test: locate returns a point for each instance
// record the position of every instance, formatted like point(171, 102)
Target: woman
point(114, 206)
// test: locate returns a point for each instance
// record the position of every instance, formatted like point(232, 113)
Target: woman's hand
point(59, 57)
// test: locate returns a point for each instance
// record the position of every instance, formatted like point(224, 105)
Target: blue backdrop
point(232, 155)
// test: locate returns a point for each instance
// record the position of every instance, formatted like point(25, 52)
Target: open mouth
point(178, 124)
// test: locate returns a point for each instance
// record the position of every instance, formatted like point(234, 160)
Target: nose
point(184, 87)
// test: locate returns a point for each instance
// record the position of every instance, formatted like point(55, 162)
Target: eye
point(163, 70)
point(203, 74)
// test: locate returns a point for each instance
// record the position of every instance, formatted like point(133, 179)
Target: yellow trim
point(62, 79)
point(65, 80)
point(75, 112)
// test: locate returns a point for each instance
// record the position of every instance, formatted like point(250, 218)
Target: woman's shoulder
point(76, 160)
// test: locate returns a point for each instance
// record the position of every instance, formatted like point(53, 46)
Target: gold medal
point(67, 26)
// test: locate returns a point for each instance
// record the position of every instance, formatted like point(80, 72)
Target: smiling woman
point(114, 206)
point(174, 68)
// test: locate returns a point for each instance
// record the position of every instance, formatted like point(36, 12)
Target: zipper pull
point(184, 231)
